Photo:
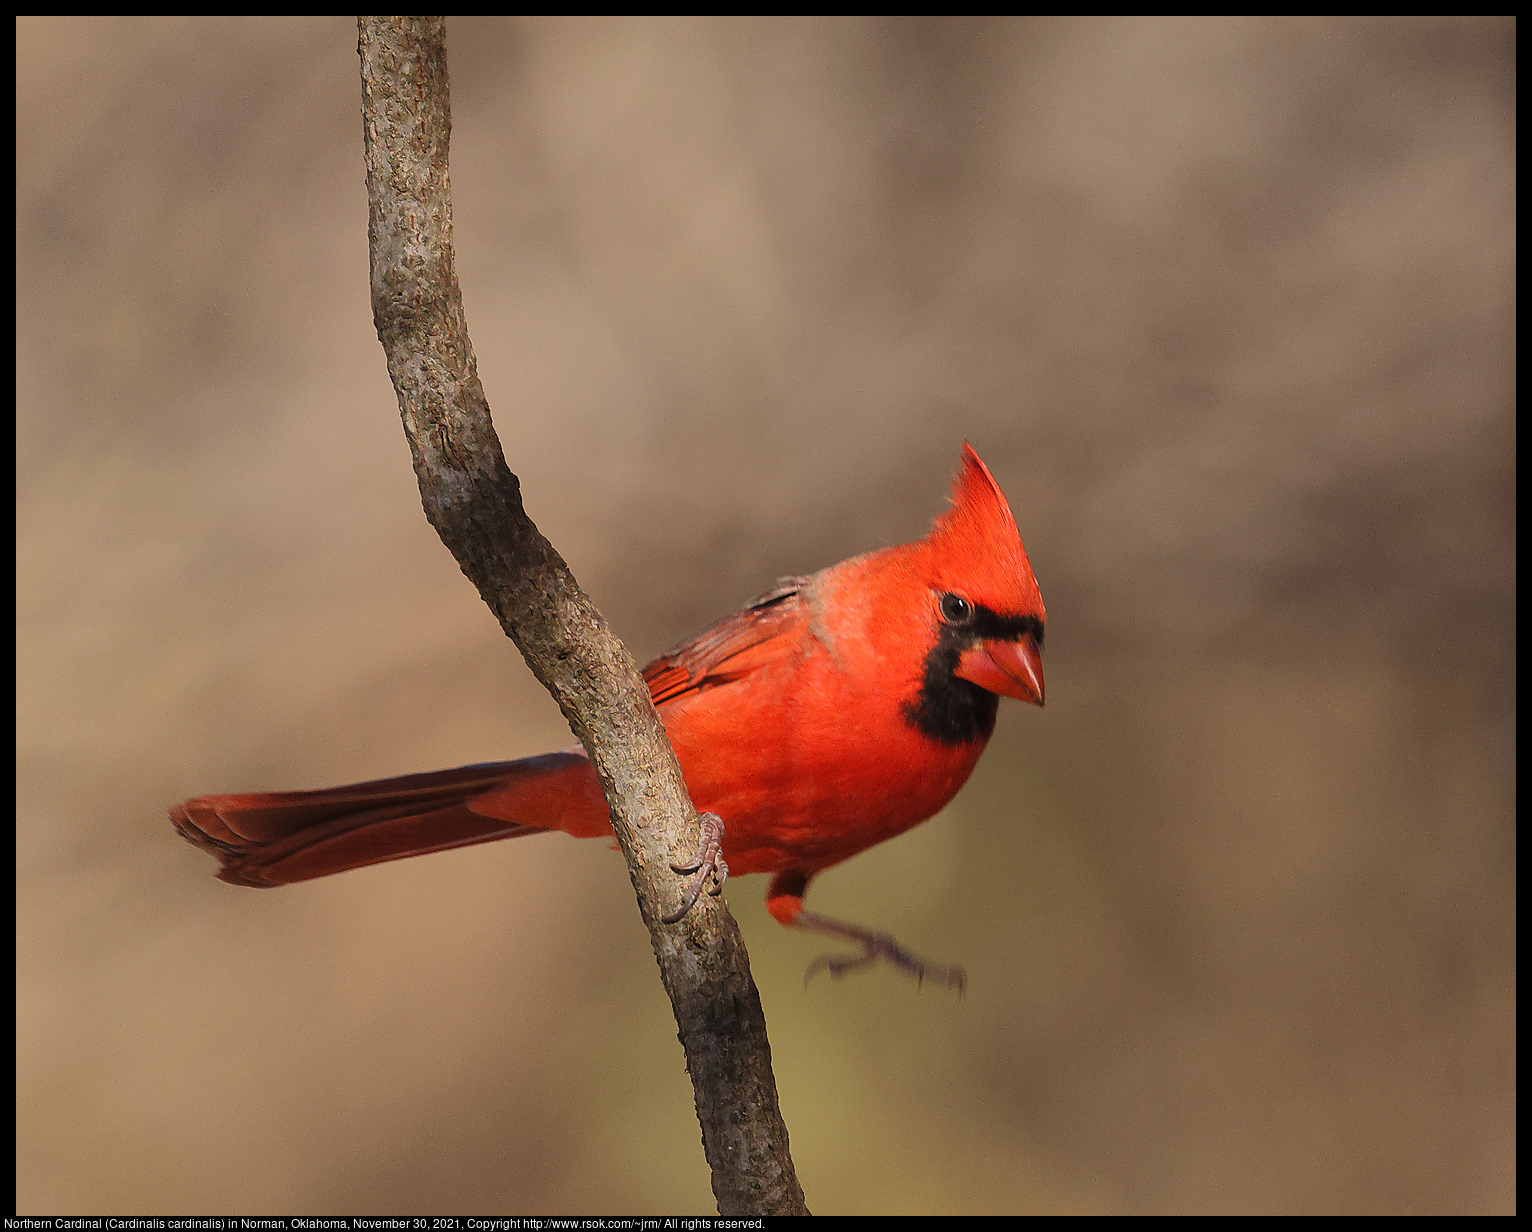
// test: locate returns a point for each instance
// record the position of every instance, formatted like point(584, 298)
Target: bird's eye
point(956, 610)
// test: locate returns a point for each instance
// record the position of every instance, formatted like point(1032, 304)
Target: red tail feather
point(274, 838)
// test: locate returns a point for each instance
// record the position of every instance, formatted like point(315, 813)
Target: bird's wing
point(766, 630)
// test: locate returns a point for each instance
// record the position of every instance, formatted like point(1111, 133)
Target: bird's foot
point(707, 863)
point(875, 946)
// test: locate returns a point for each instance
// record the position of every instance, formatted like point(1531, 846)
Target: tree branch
point(474, 502)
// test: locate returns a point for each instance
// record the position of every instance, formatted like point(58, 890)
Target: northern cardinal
point(835, 711)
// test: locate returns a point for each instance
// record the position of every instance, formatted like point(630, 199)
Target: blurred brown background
point(1227, 307)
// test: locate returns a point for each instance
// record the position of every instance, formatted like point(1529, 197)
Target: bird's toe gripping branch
point(707, 863)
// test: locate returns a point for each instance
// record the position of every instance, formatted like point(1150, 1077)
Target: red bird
point(835, 711)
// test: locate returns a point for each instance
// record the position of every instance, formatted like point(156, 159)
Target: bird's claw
point(881, 945)
point(707, 862)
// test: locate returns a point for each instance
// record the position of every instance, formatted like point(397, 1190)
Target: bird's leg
point(785, 901)
point(874, 945)
point(707, 862)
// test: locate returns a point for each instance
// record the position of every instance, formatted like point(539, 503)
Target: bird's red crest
point(980, 553)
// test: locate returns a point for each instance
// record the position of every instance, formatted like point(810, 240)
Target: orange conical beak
point(1010, 668)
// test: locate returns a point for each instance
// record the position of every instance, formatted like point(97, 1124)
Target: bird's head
point(985, 611)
